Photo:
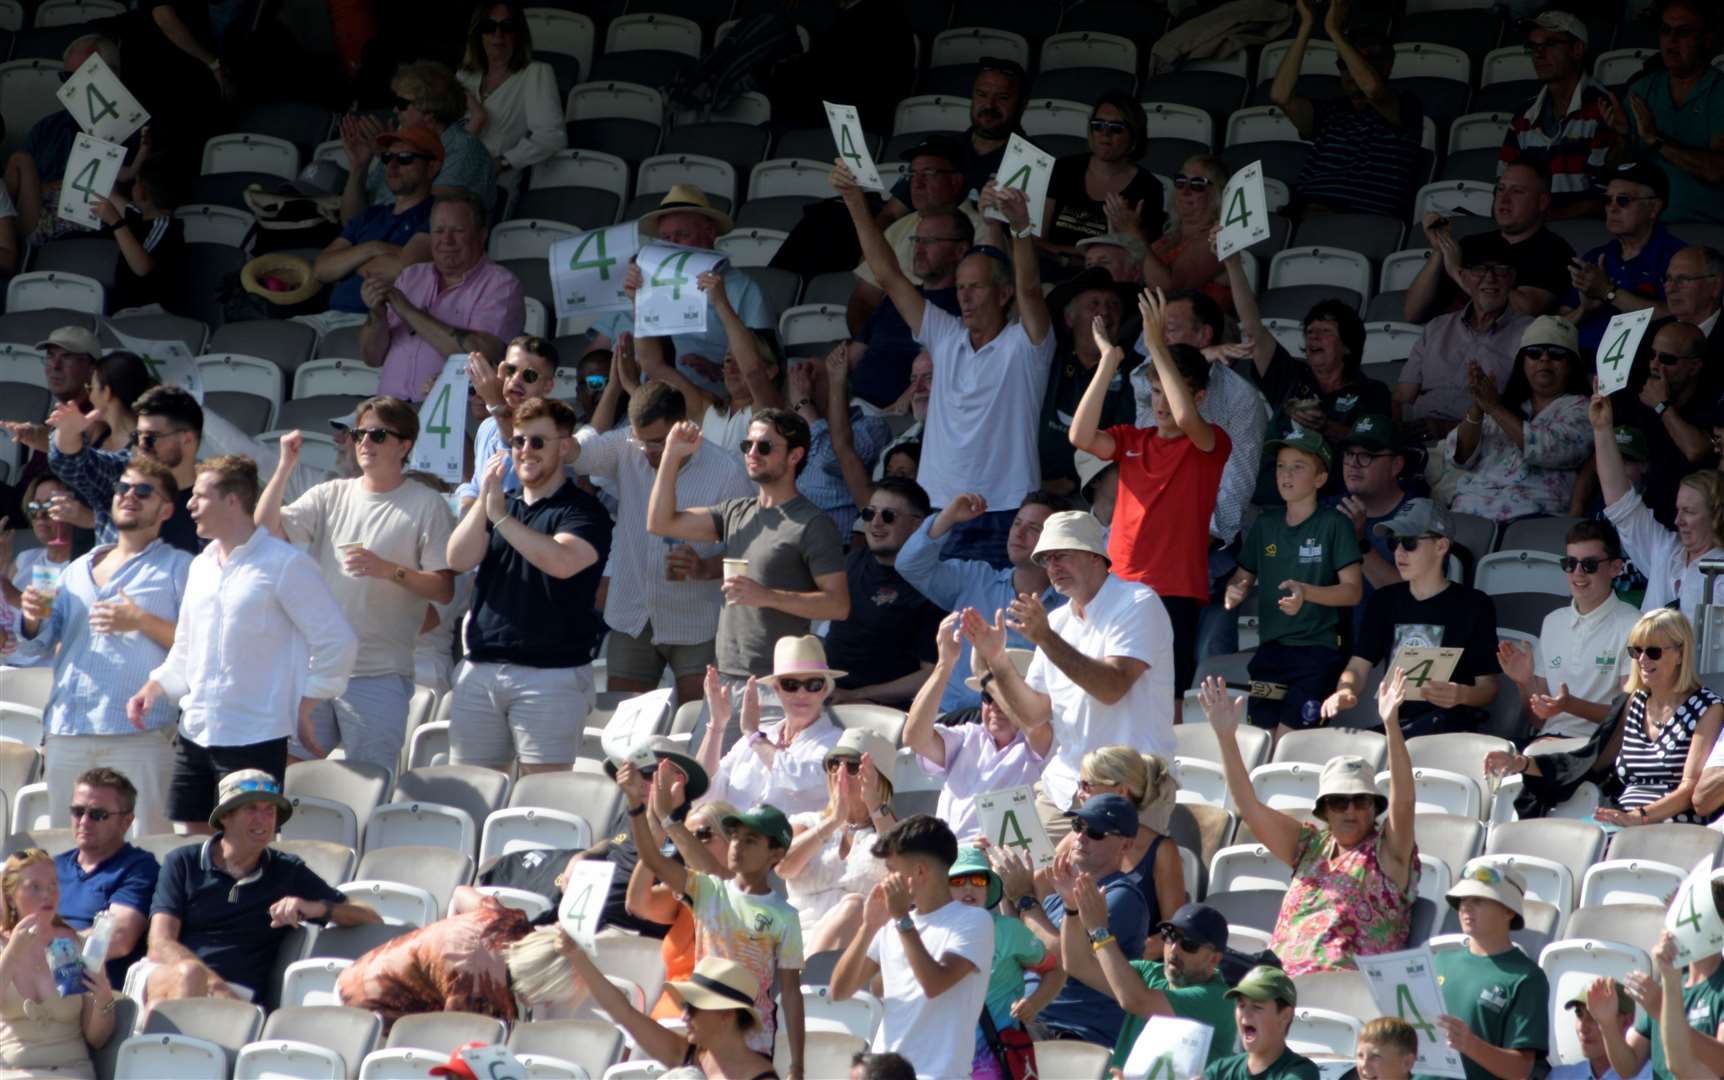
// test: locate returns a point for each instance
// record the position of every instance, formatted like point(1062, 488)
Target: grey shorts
point(499, 711)
point(368, 721)
point(638, 658)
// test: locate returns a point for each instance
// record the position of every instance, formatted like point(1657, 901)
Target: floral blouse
point(1503, 481)
point(1341, 904)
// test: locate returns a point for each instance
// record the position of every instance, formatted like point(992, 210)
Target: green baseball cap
point(1374, 432)
point(1265, 983)
point(1631, 442)
point(765, 819)
point(1301, 439)
point(1624, 1003)
point(972, 861)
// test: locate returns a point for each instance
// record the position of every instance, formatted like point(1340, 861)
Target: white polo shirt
point(1122, 619)
point(1587, 652)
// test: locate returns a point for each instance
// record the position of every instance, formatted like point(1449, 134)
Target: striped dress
point(1651, 768)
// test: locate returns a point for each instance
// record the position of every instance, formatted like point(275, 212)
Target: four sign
point(441, 447)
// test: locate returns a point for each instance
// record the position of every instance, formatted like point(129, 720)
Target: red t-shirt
point(1171, 484)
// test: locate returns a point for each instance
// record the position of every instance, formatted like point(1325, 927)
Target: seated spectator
point(1589, 1029)
point(35, 172)
point(973, 750)
point(1642, 1044)
point(150, 239)
point(1540, 258)
point(1090, 298)
point(887, 643)
point(1354, 880)
point(1120, 254)
point(1676, 112)
point(459, 302)
point(1675, 408)
point(1694, 291)
point(427, 98)
point(1427, 610)
point(1570, 679)
point(512, 100)
point(902, 460)
point(883, 350)
point(1627, 274)
point(384, 237)
point(117, 381)
point(780, 763)
point(1372, 463)
point(1670, 558)
point(69, 357)
point(1103, 670)
point(43, 497)
point(1151, 859)
point(1263, 1013)
point(845, 440)
point(1435, 387)
point(1496, 997)
point(1103, 189)
point(830, 866)
point(1517, 451)
point(751, 376)
point(998, 94)
point(45, 1032)
point(222, 907)
point(102, 872)
point(169, 430)
point(1366, 155)
point(1182, 257)
point(1564, 126)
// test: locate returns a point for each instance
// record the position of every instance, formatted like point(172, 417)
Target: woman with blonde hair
point(512, 101)
point(41, 1032)
point(831, 866)
point(1181, 257)
point(1151, 859)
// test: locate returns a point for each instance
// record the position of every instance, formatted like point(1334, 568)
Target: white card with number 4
point(1169, 1047)
point(1009, 820)
point(90, 175)
point(1404, 984)
point(1244, 211)
point(171, 362)
point(852, 145)
point(587, 271)
point(584, 893)
point(1028, 168)
point(668, 301)
point(1425, 665)
point(442, 440)
point(1618, 347)
point(100, 102)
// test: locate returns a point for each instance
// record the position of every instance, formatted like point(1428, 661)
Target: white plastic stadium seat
point(1287, 786)
point(660, 172)
point(287, 1059)
point(751, 247)
point(1322, 1031)
point(55, 289)
point(312, 982)
point(615, 101)
point(812, 323)
point(321, 819)
point(345, 377)
point(1427, 60)
point(179, 1056)
point(53, 13)
point(1052, 116)
point(1204, 779)
point(1511, 63)
point(520, 899)
point(208, 223)
point(1629, 881)
point(859, 1014)
point(583, 169)
point(420, 824)
point(1612, 68)
point(1400, 268)
point(533, 827)
point(1260, 123)
point(567, 32)
point(969, 44)
point(1247, 866)
point(1572, 964)
point(231, 373)
point(664, 33)
point(1479, 131)
point(400, 1064)
point(931, 112)
point(1521, 571)
point(1435, 877)
point(1320, 58)
point(1322, 266)
point(1387, 341)
point(1171, 120)
point(1089, 49)
point(535, 320)
point(780, 177)
point(248, 152)
point(28, 92)
point(526, 238)
point(1439, 791)
point(398, 903)
point(1546, 879)
point(1444, 197)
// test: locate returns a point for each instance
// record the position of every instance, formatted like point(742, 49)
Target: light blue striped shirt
point(94, 674)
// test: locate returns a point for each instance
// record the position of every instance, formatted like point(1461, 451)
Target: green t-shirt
point(1202, 1003)
point(1503, 999)
point(1314, 552)
point(1704, 1003)
point(1015, 949)
point(1289, 1066)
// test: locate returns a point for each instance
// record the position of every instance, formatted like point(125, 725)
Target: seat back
point(1569, 966)
point(473, 789)
point(178, 1056)
point(321, 819)
point(342, 378)
point(442, 1032)
point(1287, 785)
point(812, 325)
point(1171, 120)
point(1247, 866)
point(227, 1023)
point(1318, 745)
point(55, 289)
point(419, 824)
point(591, 1044)
point(288, 1059)
point(399, 904)
point(780, 177)
point(611, 100)
point(311, 983)
point(930, 112)
point(711, 175)
point(533, 827)
point(526, 238)
point(1330, 267)
point(439, 871)
point(660, 33)
point(1451, 196)
point(567, 32)
point(249, 152)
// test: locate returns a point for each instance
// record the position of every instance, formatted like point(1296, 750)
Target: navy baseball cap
point(1111, 815)
point(1200, 923)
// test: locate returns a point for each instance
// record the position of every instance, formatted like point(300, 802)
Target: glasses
point(889, 516)
point(269, 786)
point(795, 686)
point(1570, 564)
point(596, 382)
point(1500, 270)
point(1195, 183)
point(1625, 201)
point(94, 813)
point(929, 174)
point(1341, 802)
point(1107, 127)
point(1092, 832)
point(38, 509)
point(537, 442)
point(148, 439)
point(849, 765)
point(402, 104)
point(1654, 653)
point(1539, 352)
point(1408, 543)
point(1185, 944)
point(1359, 459)
point(704, 834)
point(141, 490)
point(1677, 281)
point(929, 241)
point(497, 26)
point(987, 698)
point(763, 447)
point(527, 374)
point(1670, 359)
point(376, 435)
point(978, 880)
point(400, 157)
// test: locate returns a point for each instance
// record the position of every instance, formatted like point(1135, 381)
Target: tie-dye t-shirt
point(760, 932)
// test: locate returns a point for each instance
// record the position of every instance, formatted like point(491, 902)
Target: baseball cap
point(1419, 517)
point(1132, 245)
point(1558, 22)
point(74, 339)
point(1632, 443)
point(765, 819)
point(1112, 815)
point(1265, 983)
point(940, 146)
point(1373, 431)
point(1200, 923)
point(1552, 331)
point(1302, 439)
point(1624, 1003)
point(418, 138)
point(1644, 172)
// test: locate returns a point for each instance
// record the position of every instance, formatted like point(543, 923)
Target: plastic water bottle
point(96, 943)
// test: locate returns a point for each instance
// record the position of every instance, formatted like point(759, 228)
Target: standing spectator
point(663, 603)
point(110, 623)
point(1091, 193)
point(845, 440)
point(1627, 274)
point(1498, 1014)
point(170, 431)
point(512, 99)
point(990, 375)
point(382, 237)
point(428, 101)
point(528, 370)
point(459, 302)
point(795, 572)
point(1570, 678)
point(1517, 452)
point(1564, 126)
point(1366, 155)
point(882, 350)
point(381, 542)
point(831, 865)
point(1589, 1032)
point(1103, 670)
point(1675, 408)
point(779, 763)
point(935, 959)
point(45, 1032)
point(1182, 256)
point(1372, 462)
point(1678, 112)
point(1263, 1013)
point(102, 872)
point(1089, 297)
point(245, 591)
point(887, 642)
point(531, 638)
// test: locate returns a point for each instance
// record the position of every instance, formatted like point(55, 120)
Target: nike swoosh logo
point(1133, 453)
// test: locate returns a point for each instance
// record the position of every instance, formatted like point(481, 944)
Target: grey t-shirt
point(787, 547)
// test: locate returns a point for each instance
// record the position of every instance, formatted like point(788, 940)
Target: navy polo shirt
point(127, 877)
point(1094, 1016)
point(377, 223)
point(1642, 275)
point(224, 922)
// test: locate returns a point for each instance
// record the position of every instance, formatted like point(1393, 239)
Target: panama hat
point(280, 278)
point(800, 657)
point(664, 750)
point(686, 197)
point(718, 983)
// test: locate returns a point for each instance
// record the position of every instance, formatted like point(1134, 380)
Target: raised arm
point(1251, 328)
point(1181, 402)
point(1031, 709)
point(857, 477)
point(470, 537)
point(1612, 473)
point(919, 734)
point(1086, 433)
point(1281, 93)
point(1274, 830)
point(674, 874)
point(876, 251)
point(663, 517)
point(668, 1046)
point(1119, 978)
point(1398, 832)
point(854, 969)
point(268, 513)
point(1026, 267)
point(1370, 81)
point(744, 346)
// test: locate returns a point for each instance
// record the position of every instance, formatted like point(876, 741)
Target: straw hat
point(1071, 530)
point(718, 983)
point(1020, 659)
point(686, 197)
point(800, 657)
point(280, 278)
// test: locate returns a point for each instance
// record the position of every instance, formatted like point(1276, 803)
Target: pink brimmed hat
point(800, 656)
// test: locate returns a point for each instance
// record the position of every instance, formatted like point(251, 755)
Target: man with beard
point(887, 644)
point(1674, 410)
point(997, 99)
point(1677, 113)
point(529, 369)
point(170, 431)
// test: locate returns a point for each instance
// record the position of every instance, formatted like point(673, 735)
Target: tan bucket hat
point(1491, 881)
point(858, 741)
point(1071, 530)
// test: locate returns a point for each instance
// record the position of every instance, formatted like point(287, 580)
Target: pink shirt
point(488, 298)
point(975, 765)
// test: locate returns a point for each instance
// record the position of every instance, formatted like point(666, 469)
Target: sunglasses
point(94, 813)
point(1670, 359)
point(376, 434)
point(402, 103)
point(704, 834)
point(148, 439)
point(813, 685)
point(1341, 802)
point(1185, 944)
point(849, 765)
point(763, 447)
point(1570, 564)
point(527, 374)
point(1538, 352)
point(1092, 832)
point(596, 382)
point(1195, 183)
point(987, 698)
point(389, 157)
point(889, 516)
point(497, 26)
point(1500, 270)
point(1625, 201)
point(1408, 543)
point(978, 880)
point(1110, 127)
point(38, 509)
point(141, 490)
point(537, 442)
point(1652, 652)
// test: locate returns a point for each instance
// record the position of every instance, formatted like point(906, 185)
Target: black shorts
point(1183, 612)
point(198, 769)
point(1309, 673)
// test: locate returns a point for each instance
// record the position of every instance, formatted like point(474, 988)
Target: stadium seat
point(476, 791)
point(1301, 275)
point(623, 119)
point(931, 113)
point(534, 904)
point(12, 16)
point(1088, 49)
point(584, 188)
point(566, 32)
point(178, 1056)
point(526, 238)
point(223, 1022)
point(1629, 881)
point(1439, 791)
point(311, 983)
point(751, 247)
point(1045, 117)
point(1391, 343)
point(1525, 611)
point(591, 1044)
point(94, 257)
point(1317, 745)
point(811, 329)
point(650, 47)
point(1344, 992)
point(660, 172)
point(323, 819)
point(1320, 59)
point(398, 903)
point(1244, 867)
point(1198, 740)
point(324, 378)
point(1323, 1031)
point(1549, 877)
point(965, 46)
point(1435, 878)
point(1521, 571)
point(1668, 842)
point(1479, 131)
point(437, 870)
point(246, 391)
point(741, 145)
point(1374, 236)
point(357, 785)
point(429, 741)
point(1478, 535)
point(1569, 966)
point(1538, 534)
point(284, 343)
point(30, 811)
point(1451, 197)
point(1616, 68)
point(352, 942)
point(330, 861)
point(532, 827)
point(780, 187)
point(54, 290)
point(1453, 838)
point(1200, 781)
point(29, 91)
point(780, 286)
point(416, 824)
point(1260, 124)
point(1287, 786)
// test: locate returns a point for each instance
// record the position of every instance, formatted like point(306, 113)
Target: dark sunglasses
point(813, 685)
point(1570, 564)
point(987, 698)
point(1408, 543)
point(1539, 352)
point(596, 382)
point(978, 880)
point(401, 157)
point(497, 26)
point(1341, 802)
point(763, 447)
point(704, 833)
point(1092, 832)
point(402, 103)
point(1652, 652)
point(527, 374)
point(148, 439)
point(141, 490)
point(376, 434)
point(94, 813)
point(886, 514)
point(1185, 944)
point(849, 765)
point(1670, 359)
point(537, 442)
point(1195, 183)
point(1626, 200)
point(38, 509)
point(1110, 127)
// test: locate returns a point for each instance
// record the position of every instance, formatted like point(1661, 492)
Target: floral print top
point(1503, 481)
point(1341, 904)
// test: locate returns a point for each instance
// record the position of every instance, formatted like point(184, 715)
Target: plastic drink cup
point(735, 568)
point(45, 579)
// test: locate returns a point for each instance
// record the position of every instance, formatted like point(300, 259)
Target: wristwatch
point(1610, 297)
point(1027, 902)
point(399, 575)
point(1658, 409)
point(498, 410)
point(906, 925)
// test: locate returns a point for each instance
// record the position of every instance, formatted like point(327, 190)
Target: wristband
point(1100, 939)
point(638, 811)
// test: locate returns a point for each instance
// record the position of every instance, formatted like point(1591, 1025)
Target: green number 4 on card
point(1236, 212)
point(602, 264)
point(578, 913)
point(98, 105)
point(1009, 827)
point(847, 149)
point(1420, 673)
point(439, 425)
point(1613, 355)
point(1410, 1012)
point(676, 279)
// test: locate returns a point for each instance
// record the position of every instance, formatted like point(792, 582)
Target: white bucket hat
point(1071, 530)
point(1491, 881)
point(1347, 774)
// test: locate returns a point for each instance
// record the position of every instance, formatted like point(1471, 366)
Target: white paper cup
point(735, 568)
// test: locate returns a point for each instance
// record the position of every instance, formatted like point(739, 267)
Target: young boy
point(1016, 951)
point(1263, 1005)
point(1496, 995)
point(1168, 477)
point(1310, 563)
point(740, 919)
point(1386, 1050)
point(934, 956)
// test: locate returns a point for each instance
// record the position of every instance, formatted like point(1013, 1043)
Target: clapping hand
point(1028, 617)
point(1091, 906)
point(1515, 660)
point(634, 783)
point(1110, 353)
point(898, 901)
point(1152, 308)
point(948, 639)
point(1295, 598)
point(1224, 710)
point(987, 639)
point(750, 711)
point(1391, 692)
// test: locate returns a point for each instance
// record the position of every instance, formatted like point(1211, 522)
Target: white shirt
point(983, 413)
point(1582, 1070)
point(795, 782)
point(256, 633)
point(726, 432)
point(1587, 653)
point(523, 117)
point(936, 1035)
point(1670, 577)
point(1123, 619)
point(681, 612)
point(1710, 324)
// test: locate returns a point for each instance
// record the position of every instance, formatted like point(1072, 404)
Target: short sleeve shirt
point(1313, 552)
point(1291, 1065)
point(1204, 1003)
point(787, 547)
point(1704, 1004)
point(377, 222)
point(929, 1031)
point(127, 878)
point(1078, 216)
point(1503, 999)
point(890, 631)
point(1696, 123)
point(1167, 493)
point(1361, 162)
point(1642, 275)
point(760, 932)
point(1095, 1016)
point(700, 357)
point(1459, 615)
point(1540, 261)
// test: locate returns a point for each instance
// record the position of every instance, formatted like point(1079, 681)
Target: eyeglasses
point(596, 382)
point(978, 880)
point(1570, 564)
point(1109, 127)
point(1092, 832)
point(1539, 352)
point(400, 157)
point(928, 241)
point(94, 813)
point(402, 103)
point(497, 26)
point(889, 516)
point(812, 685)
point(1677, 281)
point(704, 834)
point(1625, 201)
point(1494, 270)
point(1359, 459)
point(537, 442)
point(1408, 543)
point(1670, 359)
point(929, 174)
point(1195, 183)
point(1654, 653)
point(1185, 944)
point(141, 490)
point(376, 435)
point(849, 765)
point(763, 447)
point(527, 374)
point(148, 439)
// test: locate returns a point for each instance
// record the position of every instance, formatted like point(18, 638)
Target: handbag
point(1013, 1049)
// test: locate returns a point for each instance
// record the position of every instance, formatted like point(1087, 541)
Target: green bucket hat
point(1265, 983)
point(972, 861)
point(765, 819)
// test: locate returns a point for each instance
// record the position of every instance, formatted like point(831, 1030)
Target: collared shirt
point(1694, 124)
point(1438, 362)
point(1642, 275)
point(822, 479)
point(795, 782)
point(1572, 143)
point(1588, 654)
point(127, 877)
point(1235, 405)
point(1582, 1070)
point(1123, 619)
point(700, 357)
point(681, 612)
point(91, 473)
point(257, 632)
point(487, 298)
point(95, 674)
point(1671, 579)
point(956, 584)
point(976, 764)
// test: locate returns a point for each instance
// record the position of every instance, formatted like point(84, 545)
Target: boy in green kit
point(1498, 1000)
point(1311, 565)
point(1016, 951)
point(1263, 1005)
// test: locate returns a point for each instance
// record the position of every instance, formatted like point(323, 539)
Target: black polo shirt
point(226, 922)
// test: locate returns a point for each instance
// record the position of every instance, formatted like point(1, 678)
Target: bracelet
point(638, 811)
point(1101, 941)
